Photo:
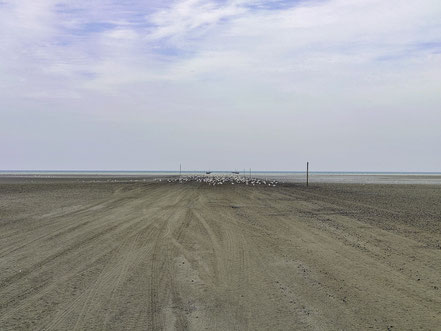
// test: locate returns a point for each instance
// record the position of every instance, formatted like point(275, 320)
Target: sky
point(348, 85)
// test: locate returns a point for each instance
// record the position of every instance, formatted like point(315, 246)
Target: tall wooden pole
point(307, 174)
point(180, 170)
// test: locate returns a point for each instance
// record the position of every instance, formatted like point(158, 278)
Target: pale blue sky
point(125, 85)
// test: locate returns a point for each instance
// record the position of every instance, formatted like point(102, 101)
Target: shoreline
point(315, 177)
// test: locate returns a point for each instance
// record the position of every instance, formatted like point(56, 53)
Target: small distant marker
point(307, 174)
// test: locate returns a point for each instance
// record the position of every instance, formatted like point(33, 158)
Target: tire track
point(49, 259)
point(162, 283)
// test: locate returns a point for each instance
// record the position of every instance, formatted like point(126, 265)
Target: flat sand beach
point(116, 254)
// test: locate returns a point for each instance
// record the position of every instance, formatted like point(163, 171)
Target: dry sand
point(143, 255)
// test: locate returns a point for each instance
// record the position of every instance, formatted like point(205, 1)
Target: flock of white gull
point(220, 180)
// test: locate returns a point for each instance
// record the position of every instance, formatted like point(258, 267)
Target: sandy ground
point(122, 255)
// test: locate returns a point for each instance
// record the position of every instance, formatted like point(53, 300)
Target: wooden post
point(180, 170)
point(250, 173)
point(307, 174)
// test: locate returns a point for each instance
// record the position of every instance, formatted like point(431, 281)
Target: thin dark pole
point(307, 173)
point(180, 170)
point(250, 172)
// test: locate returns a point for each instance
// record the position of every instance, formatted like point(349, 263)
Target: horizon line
point(219, 171)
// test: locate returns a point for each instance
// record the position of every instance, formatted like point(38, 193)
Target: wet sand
point(358, 178)
point(81, 253)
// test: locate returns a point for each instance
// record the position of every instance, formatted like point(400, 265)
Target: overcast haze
point(133, 85)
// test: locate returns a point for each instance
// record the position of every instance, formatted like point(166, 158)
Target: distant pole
point(307, 174)
point(250, 172)
point(180, 170)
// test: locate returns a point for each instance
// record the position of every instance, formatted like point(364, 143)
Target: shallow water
point(359, 178)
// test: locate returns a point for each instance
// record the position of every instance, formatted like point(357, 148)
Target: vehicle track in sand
point(190, 256)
